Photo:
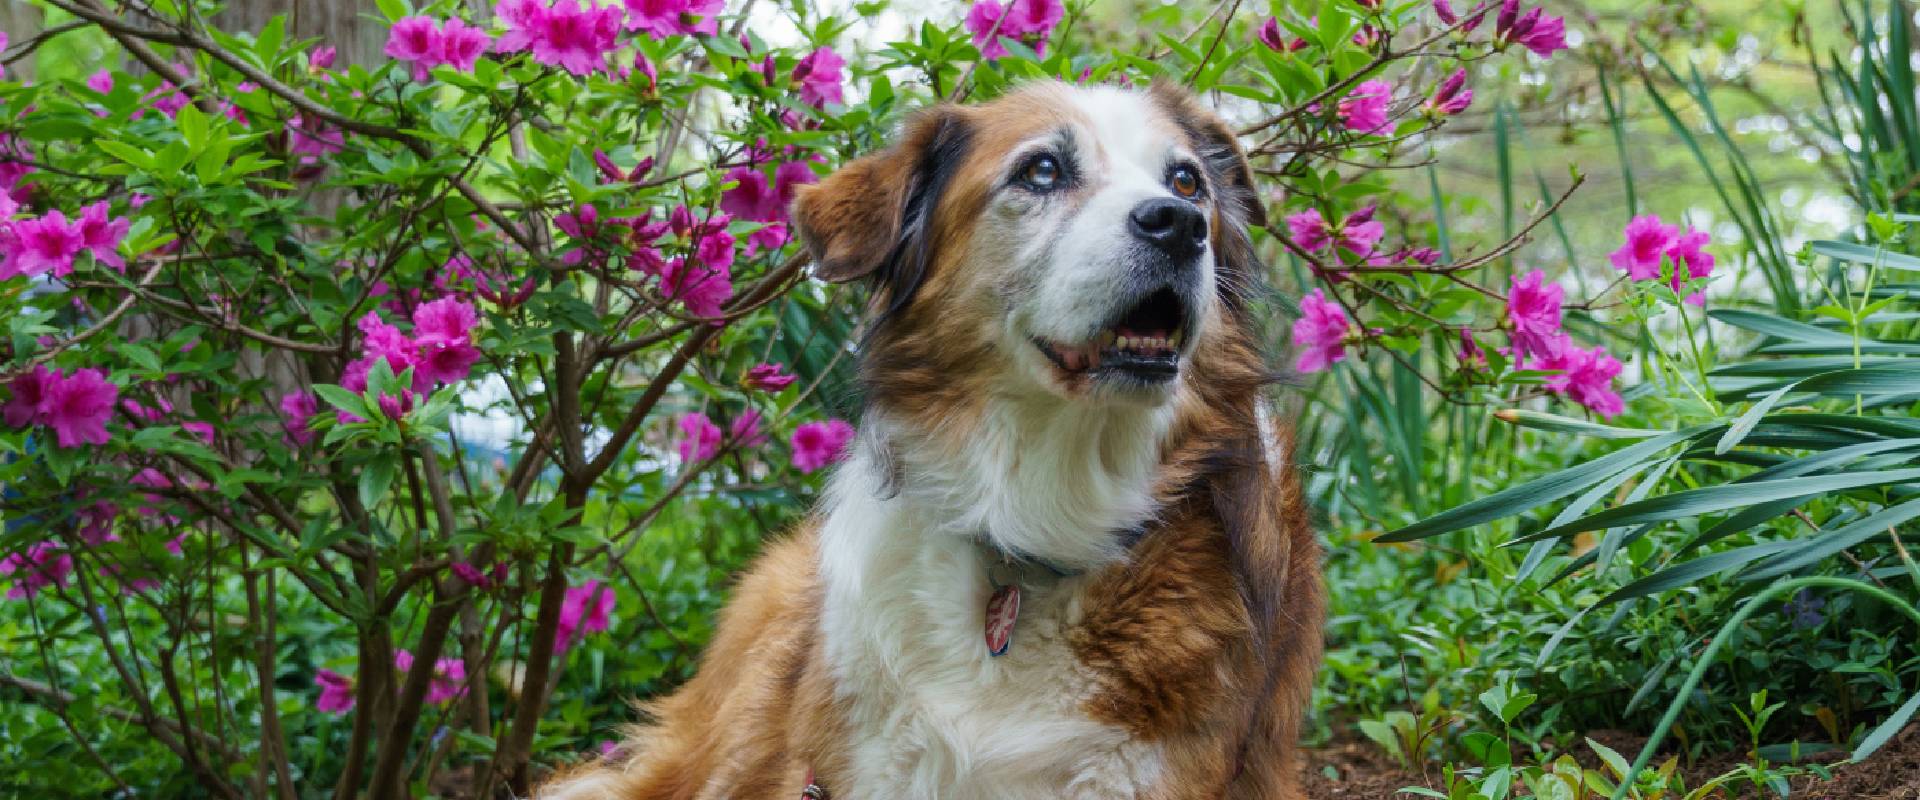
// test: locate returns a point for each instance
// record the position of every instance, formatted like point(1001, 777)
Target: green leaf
point(1813, 549)
point(1694, 502)
point(1687, 573)
point(1777, 327)
point(1539, 491)
point(1744, 424)
point(1862, 254)
point(1887, 729)
point(374, 480)
point(1540, 420)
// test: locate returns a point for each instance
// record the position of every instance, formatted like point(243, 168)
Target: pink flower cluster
point(75, 406)
point(1584, 376)
point(425, 44)
point(700, 438)
point(1358, 234)
point(564, 34)
point(702, 280)
point(1533, 29)
point(1365, 109)
point(817, 444)
point(41, 565)
point(587, 608)
point(819, 76)
point(769, 378)
point(50, 243)
point(1648, 241)
point(1452, 96)
point(1027, 21)
point(1320, 333)
point(337, 690)
point(441, 350)
point(756, 198)
point(662, 18)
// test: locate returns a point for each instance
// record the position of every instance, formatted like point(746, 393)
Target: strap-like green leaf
point(1541, 490)
point(1695, 502)
point(1862, 254)
point(1815, 548)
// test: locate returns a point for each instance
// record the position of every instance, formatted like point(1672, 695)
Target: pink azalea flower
point(771, 236)
point(715, 246)
point(321, 59)
point(699, 437)
point(1271, 36)
point(42, 565)
point(525, 20)
point(1534, 30)
point(1586, 377)
point(745, 430)
point(336, 692)
point(1533, 308)
point(1309, 230)
point(28, 388)
point(787, 180)
point(40, 245)
point(817, 444)
point(769, 377)
point(461, 45)
point(470, 573)
point(1359, 233)
point(819, 77)
point(577, 39)
point(448, 319)
point(310, 141)
point(702, 290)
point(296, 416)
point(395, 407)
point(416, 41)
point(1320, 333)
point(448, 675)
point(662, 18)
point(101, 235)
point(1647, 240)
point(101, 81)
point(1687, 253)
point(1452, 97)
point(1365, 108)
point(752, 196)
point(1028, 21)
point(385, 341)
point(587, 608)
point(1471, 356)
point(77, 406)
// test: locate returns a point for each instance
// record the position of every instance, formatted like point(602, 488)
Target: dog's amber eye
point(1041, 173)
point(1185, 182)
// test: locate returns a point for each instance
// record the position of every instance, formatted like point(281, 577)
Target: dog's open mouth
point(1142, 343)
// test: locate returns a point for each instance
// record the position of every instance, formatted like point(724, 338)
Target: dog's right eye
point(1041, 173)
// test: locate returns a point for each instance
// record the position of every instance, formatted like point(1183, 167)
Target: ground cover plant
point(389, 394)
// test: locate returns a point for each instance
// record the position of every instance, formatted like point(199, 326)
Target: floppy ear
point(1219, 147)
point(870, 217)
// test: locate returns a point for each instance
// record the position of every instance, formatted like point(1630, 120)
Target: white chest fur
point(932, 714)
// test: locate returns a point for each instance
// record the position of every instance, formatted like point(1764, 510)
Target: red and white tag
point(1002, 609)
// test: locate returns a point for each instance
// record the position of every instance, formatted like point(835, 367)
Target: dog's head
point(1064, 242)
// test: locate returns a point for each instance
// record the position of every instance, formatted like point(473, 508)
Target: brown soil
point(1359, 771)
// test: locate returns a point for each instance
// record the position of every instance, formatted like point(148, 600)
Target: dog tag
point(1002, 609)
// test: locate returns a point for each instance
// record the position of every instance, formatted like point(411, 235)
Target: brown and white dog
point(1064, 424)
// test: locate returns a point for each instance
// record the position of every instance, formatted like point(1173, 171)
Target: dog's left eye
point(1185, 182)
point(1041, 173)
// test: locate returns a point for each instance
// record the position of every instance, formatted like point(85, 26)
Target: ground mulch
point(1359, 771)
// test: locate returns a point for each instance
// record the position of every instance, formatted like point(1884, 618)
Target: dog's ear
point(1219, 147)
point(870, 216)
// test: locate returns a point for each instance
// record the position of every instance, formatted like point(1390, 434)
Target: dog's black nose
point(1175, 227)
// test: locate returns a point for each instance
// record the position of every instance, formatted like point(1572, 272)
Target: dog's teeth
point(1106, 338)
point(1124, 342)
point(1175, 340)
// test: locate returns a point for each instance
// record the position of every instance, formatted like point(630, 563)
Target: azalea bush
point(385, 426)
